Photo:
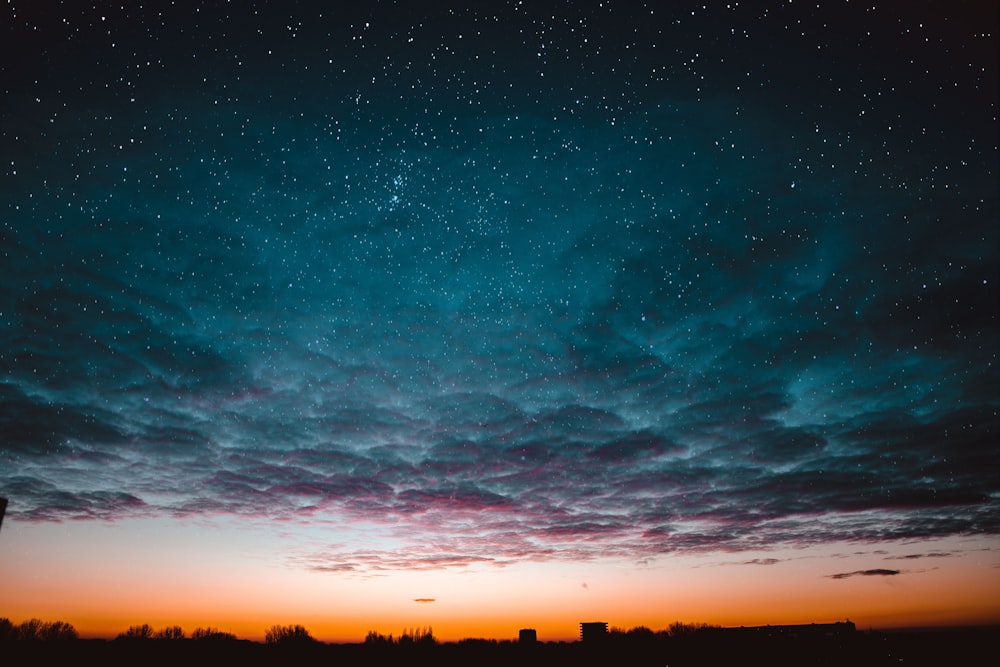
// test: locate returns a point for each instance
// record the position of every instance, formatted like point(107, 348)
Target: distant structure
point(594, 631)
point(527, 636)
point(3, 509)
point(811, 630)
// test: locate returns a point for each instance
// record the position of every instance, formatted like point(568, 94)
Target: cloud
point(918, 556)
point(865, 573)
point(34, 499)
point(424, 600)
point(374, 562)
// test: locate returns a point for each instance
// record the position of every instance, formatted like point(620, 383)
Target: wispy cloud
point(762, 561)
point(933, 554)
point(865, 573)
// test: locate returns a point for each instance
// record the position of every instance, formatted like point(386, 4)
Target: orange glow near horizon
point(163, 574)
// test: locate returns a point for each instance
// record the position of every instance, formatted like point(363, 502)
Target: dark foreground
point(927, 647)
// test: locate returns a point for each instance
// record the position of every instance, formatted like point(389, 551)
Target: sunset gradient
point(239, 578)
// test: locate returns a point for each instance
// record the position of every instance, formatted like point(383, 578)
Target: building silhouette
point(593, 631)
point(527, 636)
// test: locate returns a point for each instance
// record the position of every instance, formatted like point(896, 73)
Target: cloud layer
point(604, 319)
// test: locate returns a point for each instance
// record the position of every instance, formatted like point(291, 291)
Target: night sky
point(414, 287)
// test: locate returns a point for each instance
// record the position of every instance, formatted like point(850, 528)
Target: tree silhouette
point(35, 629)
point(31, 629)
point(678, 629)
point(200, 634)
point(374, 638)
point(287, 634)
point(171, 632)
point(641, 632)
point(417, 636)
point(58, 631)
point(144, 631)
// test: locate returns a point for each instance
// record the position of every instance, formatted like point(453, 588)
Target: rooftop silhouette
point(593, 631)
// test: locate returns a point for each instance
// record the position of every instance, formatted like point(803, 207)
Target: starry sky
point(489, 315)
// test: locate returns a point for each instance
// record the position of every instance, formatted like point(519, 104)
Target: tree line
point(414, 637)
point(38, 630)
